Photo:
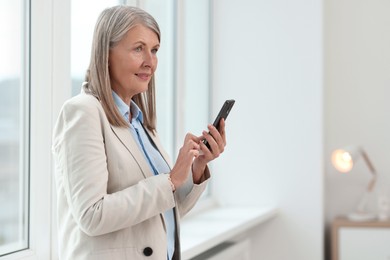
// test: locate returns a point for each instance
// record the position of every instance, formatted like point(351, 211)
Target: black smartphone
point(223, 113)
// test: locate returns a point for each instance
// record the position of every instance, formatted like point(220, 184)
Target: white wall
point(268, 56)
point(357, 91)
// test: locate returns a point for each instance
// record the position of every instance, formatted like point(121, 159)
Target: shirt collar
point(136, 113)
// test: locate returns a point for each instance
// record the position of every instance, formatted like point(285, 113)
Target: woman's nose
point(148, 59)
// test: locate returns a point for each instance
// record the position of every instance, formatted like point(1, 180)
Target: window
point(14, 126)
point(197, 59)
point(183, 76)
point(84, 15)
point(164, 13)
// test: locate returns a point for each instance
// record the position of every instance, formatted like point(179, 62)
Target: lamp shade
point(343, 159)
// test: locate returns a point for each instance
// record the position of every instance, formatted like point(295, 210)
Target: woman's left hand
point(217, 142)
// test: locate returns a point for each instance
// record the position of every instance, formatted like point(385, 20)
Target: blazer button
point(148, 251)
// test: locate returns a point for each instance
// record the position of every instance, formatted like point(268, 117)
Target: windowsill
point(205, 230)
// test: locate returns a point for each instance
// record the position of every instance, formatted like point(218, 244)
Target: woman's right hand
point(187, 153)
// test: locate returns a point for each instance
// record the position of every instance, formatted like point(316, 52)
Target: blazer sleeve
point(189, 193)
point(81, 165)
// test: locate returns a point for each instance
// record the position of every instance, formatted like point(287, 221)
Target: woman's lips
point(143, 76)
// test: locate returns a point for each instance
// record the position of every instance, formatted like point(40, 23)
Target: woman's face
point(133, 61)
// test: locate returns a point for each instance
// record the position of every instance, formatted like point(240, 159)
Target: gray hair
point(111, 27)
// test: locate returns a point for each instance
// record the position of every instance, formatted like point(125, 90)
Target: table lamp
point(343, 160)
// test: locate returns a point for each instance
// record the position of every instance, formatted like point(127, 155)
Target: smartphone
point(223, 113)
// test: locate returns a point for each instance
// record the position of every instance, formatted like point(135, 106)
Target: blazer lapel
point(128, 141)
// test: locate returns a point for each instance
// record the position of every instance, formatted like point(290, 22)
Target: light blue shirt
point(155, 160)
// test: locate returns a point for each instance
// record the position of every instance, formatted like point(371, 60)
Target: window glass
point(84, 15)
point(14, 125)
point(164, 13)
point(196, 66)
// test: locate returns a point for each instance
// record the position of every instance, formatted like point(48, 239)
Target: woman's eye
point(138, 49)
point(154, 51)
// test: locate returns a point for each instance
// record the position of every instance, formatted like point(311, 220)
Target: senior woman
point(118, 195)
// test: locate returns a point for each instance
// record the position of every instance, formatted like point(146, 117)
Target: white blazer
point(110, 204)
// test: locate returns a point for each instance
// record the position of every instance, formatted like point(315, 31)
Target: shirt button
point(148, 251)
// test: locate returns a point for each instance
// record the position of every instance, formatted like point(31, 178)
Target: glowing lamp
point(343, 160)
